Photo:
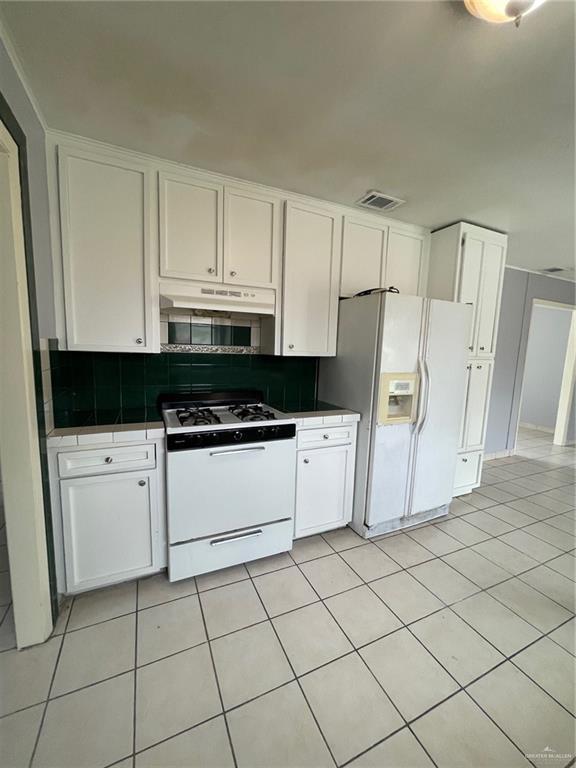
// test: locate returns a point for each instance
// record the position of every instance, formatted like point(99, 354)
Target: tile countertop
point(320, 412)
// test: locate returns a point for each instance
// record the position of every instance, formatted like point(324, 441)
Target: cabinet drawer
point(224, 550)
point(468, 469)
point(320, 438)
point(106, 460)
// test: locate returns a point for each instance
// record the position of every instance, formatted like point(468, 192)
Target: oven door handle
point(238, 450)
point(237, 537)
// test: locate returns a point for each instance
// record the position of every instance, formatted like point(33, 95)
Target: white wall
point(545, 355)
point(14, 93)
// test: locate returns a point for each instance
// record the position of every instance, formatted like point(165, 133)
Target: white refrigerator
point(401, 363)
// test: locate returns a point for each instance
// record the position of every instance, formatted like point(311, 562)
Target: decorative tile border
point(209, 348)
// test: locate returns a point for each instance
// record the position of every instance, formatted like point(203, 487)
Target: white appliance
point(400, 362)
point(230, 468)
point(219, 297)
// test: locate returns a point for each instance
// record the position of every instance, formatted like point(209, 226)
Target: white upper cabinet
point(489, 298)
point(467, 265)
point(363, 255)
point(311, 280)
point(190, 227)
point(252, 238)
point(108, 266)
point(379, 255)
point(404, 261)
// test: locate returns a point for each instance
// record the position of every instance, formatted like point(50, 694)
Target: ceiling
point(462, 119)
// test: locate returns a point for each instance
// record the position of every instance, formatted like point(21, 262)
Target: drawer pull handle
point(238, 537)
point(479, 367)
point(326, 437)
point(238, 450)
point(290, 346)
point(141, 483)
point(108, 460)
point(464, 460)
point(306, 461)
point(482, 349)
point(210, 270)
point(139, 341)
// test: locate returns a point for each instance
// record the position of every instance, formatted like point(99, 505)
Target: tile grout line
point(223, 710)
point(135, 682)
point(52, 678)
point(296, 678)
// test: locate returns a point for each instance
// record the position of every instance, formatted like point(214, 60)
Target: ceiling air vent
point(378, 201)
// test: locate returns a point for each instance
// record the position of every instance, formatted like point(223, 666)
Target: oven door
point(220, 489)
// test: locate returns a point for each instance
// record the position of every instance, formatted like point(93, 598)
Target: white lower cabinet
point(110, 524)
point(468, 471)
point(324, 482)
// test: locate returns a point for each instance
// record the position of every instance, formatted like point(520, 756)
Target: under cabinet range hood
point(218, 297)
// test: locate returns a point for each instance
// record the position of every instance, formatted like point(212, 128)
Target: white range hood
point(217, 296)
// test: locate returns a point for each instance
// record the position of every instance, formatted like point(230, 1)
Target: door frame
point(567, 388)
point(19, 432)
point(561, 427)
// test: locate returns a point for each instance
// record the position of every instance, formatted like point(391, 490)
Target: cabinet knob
point(306, 461)
point(139, 341)
point(469, 367)
point(141, 482)
point(470, 348)
point(108, 460)
point(465, 460)
point(232, 273)
point(290, 346)
point(210, 270)
point(482, 349)
point(479, 367)
point(326, 437)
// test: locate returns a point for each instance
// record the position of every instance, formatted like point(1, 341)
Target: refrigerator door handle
point(422, 396)
point(426, 398)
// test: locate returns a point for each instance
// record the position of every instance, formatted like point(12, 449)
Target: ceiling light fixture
point(501, 11)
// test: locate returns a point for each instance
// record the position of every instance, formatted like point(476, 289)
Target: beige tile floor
point(451, 645)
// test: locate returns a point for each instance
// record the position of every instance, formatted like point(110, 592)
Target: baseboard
point(498, 455)
point(527, 425)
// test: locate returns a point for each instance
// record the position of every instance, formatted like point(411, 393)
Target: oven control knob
point(237, 436)
point(260, 431)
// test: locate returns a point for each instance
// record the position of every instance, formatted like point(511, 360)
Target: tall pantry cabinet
point(467, 265)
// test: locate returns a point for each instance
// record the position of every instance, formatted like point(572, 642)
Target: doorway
point(547, 408)
point(25, 527)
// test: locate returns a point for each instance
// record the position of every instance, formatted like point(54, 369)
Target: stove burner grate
point(196, 417)
point(251, 413)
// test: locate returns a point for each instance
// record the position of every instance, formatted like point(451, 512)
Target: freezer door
point(437, 428)
point(391, 448)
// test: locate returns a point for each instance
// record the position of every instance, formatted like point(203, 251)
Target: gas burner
point(195, 417)
point(251, 413)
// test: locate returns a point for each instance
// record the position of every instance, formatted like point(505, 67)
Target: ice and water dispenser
point(398, 398)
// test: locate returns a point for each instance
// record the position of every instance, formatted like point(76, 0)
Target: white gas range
point(231, 464)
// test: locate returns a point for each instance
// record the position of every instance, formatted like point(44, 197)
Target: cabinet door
point(190, 227)
point(110, 528)
point(363, 256)
point(477, 404)
point(251, 238)
point(489, 303)
point(105, 224)
point(462, 440)
point(323, 497)
point(311, 280)
point(469, 282)
point(404, 262)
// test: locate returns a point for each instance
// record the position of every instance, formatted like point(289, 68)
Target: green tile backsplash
point(103, 388)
